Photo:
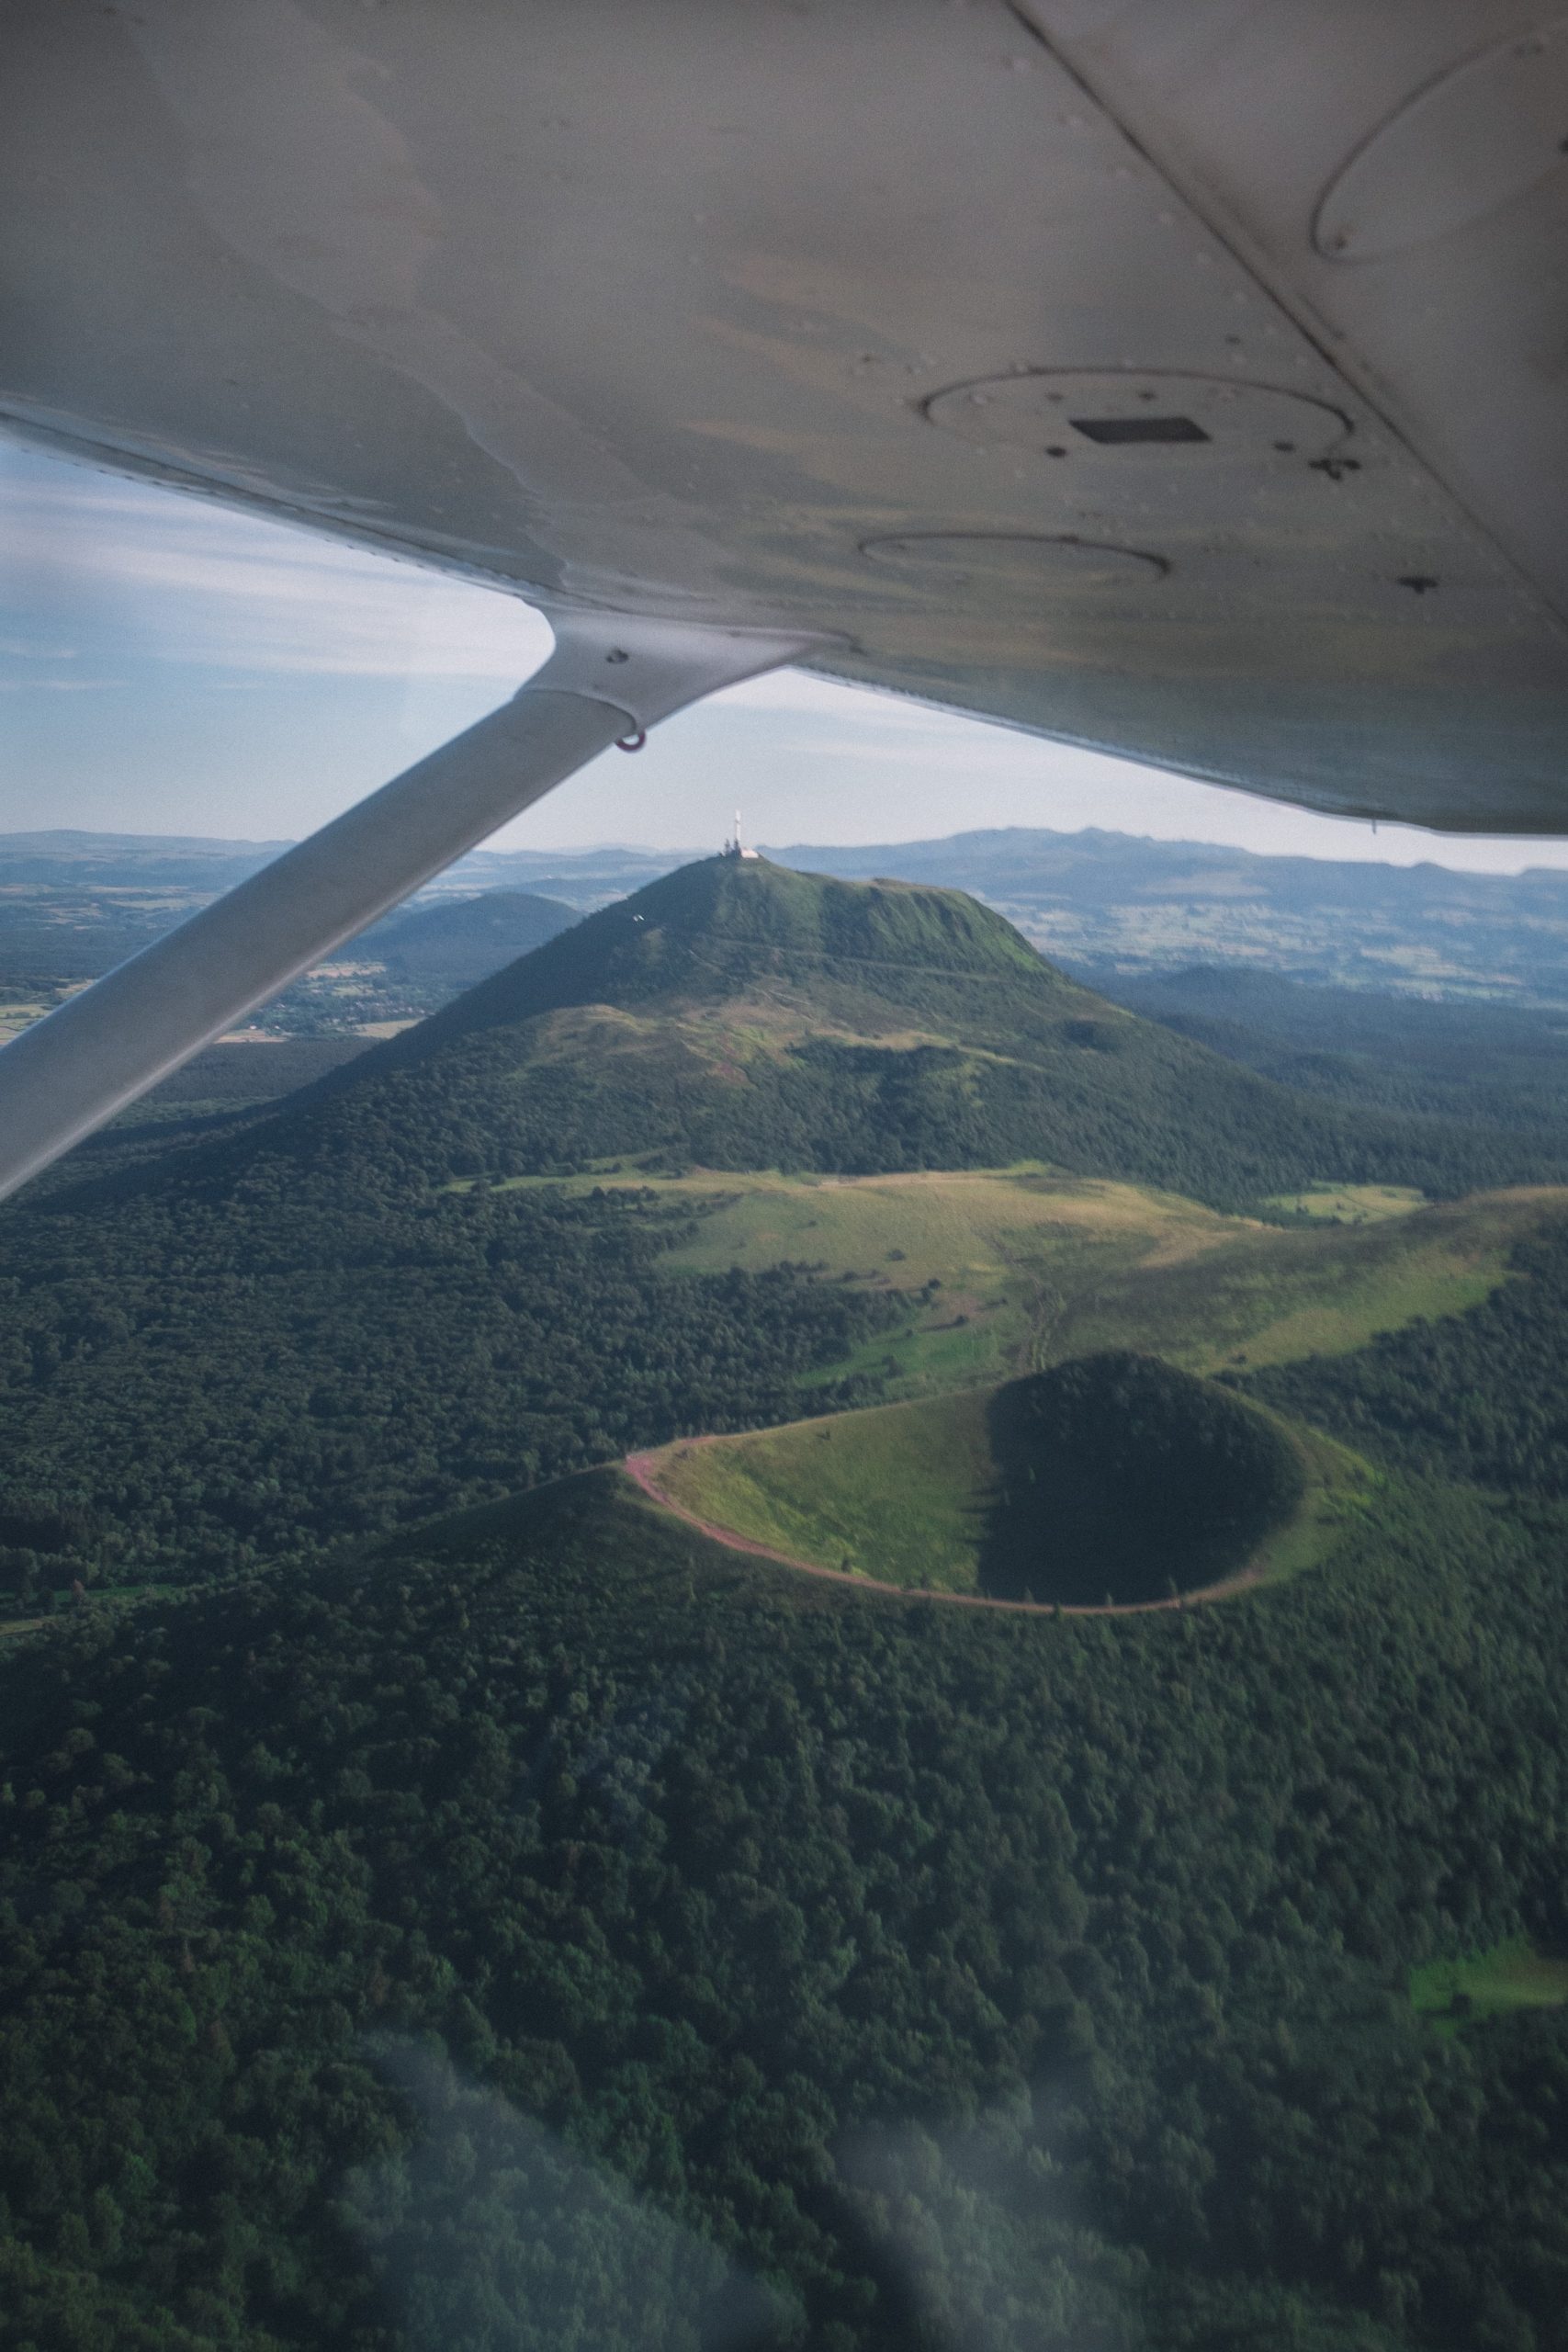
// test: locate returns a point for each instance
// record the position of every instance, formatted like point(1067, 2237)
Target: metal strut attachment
point(609, 677)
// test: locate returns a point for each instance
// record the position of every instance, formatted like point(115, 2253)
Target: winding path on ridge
point(640, 1469)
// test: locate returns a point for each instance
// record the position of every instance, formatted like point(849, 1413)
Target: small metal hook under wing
point(609, 676)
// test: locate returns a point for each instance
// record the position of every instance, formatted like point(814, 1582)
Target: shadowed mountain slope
point(1487, 1064)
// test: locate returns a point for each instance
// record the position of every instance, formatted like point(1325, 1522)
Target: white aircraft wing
point(1185, 378)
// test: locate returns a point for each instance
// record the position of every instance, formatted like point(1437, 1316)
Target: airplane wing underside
point(1182, 377)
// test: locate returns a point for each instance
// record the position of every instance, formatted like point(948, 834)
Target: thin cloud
point(193, 585)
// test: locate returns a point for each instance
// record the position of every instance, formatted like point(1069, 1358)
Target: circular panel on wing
point(1022, 560)
point(1123, 416)
point(1484, 131)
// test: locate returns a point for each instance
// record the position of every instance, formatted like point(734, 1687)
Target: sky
point(167, 666)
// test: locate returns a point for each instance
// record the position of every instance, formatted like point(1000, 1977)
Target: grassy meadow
point(1511, 1976)
point(1010, 1269)
point(1350, 1204)
point(898, 1493)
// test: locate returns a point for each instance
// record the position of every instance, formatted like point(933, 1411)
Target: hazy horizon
point(169, 667)
point(622, 847)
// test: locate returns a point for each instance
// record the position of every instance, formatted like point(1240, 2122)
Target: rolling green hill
point(459, 941)
point(986, 1272)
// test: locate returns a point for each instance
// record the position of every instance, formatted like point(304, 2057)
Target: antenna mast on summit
point(736, 848)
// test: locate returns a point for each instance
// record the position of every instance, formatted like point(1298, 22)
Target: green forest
point(475, 1910)
point(1480, 1064)
point(193, 1385)
point(535, 1931)
point(1481, 1397)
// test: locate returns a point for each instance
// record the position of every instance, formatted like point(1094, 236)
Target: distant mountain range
point(1127, 904)
point(63, 857)
point(1092, 899)
point(1099, 899)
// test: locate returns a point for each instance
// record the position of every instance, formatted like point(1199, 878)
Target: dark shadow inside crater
point(1120, 1478)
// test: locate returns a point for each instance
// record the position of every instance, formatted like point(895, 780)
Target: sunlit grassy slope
point(1277, 1296)
point(1033, 1267)
point(897, 1493)
point(907, 1494)
point(1512, 1975)
point(1350, 1204)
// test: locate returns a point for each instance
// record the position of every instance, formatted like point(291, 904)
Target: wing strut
point(609, 676)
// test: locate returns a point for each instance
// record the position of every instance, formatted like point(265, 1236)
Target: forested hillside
point(1482, 1396)
point(195, 1385)
point(532, 1934)
point(458, 941)
point(1492, 1065)
point(1124, 1479)
point(740, 1015)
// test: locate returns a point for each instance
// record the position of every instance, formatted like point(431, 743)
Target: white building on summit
point(736, 848)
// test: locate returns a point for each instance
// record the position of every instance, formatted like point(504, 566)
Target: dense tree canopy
point(1122, 1478)
point(1482, 1396)
point(188, 1383)
point(527, 1930)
